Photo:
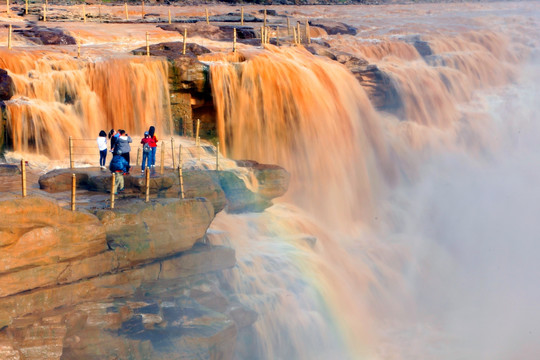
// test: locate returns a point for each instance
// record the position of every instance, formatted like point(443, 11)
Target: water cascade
point(57, 96)
point(349, 266)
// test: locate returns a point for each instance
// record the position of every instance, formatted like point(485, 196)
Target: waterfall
point(58, 96)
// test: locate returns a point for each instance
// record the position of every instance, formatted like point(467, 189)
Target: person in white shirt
point(102, 145)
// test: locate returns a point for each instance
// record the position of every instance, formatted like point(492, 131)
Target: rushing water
point(403, 236)
point(414, 235)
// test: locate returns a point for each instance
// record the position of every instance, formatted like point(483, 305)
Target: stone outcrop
point(46, 36)
point(6, 86)
point(225, 188)
point(334, 27)
point(131, 283)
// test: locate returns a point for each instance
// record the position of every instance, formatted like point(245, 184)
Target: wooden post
point(180, 155)
point(267, 35)
point(138, 156)
point(78, 45)
point(197, 132)
point(308, 33)
point(26, 7)
point(207, 18)
point(185, 39)
point(7, 7)
point(181, 177)
point(71, 152)
point(199, 147)
point(142, 9)
point(9, 37)
point(217, 156)
point(84, 12)
point(113, 180)
point(264, 23)
point(170, 20)
point(162, 157)
point(288, 26)
point(262, 35)
point(298, 35)
point(23, 177)
point(172, 152)
point(73, 191)
point(127, 14)
point(241, 16)
point(234, 40)
point(44, 13)
point(147, 184)
point(147, 45)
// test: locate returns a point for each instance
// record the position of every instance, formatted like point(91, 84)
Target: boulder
point(6, 86)
point(36, 232)
point(47, 36)
point(380, 87)
point(9, 170)
point(172, 50)
point(160, 228)
point(334, 27)
point(273, 180)
point(242, 32)
point(60, 179)
point(200, 28)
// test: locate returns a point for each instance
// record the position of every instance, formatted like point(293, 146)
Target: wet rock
point(6, 86)
point(201, 29)
point(334, 27)
point(47, 36)
point(380, 88)
point(187, 74)
point(422, 46)
point(172, 50)
point(242, 32)
point(273, 180)
point(9, 170)
point(243, 317)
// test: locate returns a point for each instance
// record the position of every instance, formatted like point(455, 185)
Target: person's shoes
point(142, 171)
point(120, 190)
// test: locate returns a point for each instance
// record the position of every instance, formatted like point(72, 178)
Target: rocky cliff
point(136, 282)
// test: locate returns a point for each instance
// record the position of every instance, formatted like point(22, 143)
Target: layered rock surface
point(135, 282)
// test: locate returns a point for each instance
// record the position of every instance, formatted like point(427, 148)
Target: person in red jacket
point(147, 143)
point(151, 133)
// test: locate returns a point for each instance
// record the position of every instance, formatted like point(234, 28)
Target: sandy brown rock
point(36, 232)
point(6, 85)
point(156, 229)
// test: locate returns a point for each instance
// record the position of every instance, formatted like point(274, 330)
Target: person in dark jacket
point(119, 166)
point(113, 136)
point(122, 146)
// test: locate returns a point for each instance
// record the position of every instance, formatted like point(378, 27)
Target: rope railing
point(170, 154)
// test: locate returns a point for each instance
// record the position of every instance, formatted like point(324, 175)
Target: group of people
point(120, 147)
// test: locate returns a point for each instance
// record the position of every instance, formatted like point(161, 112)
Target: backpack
point(146, 148)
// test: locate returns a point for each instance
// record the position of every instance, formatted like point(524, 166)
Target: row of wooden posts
point(46, 7)
point(265, 30)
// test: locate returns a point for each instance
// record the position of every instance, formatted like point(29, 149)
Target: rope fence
point(170, 155)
